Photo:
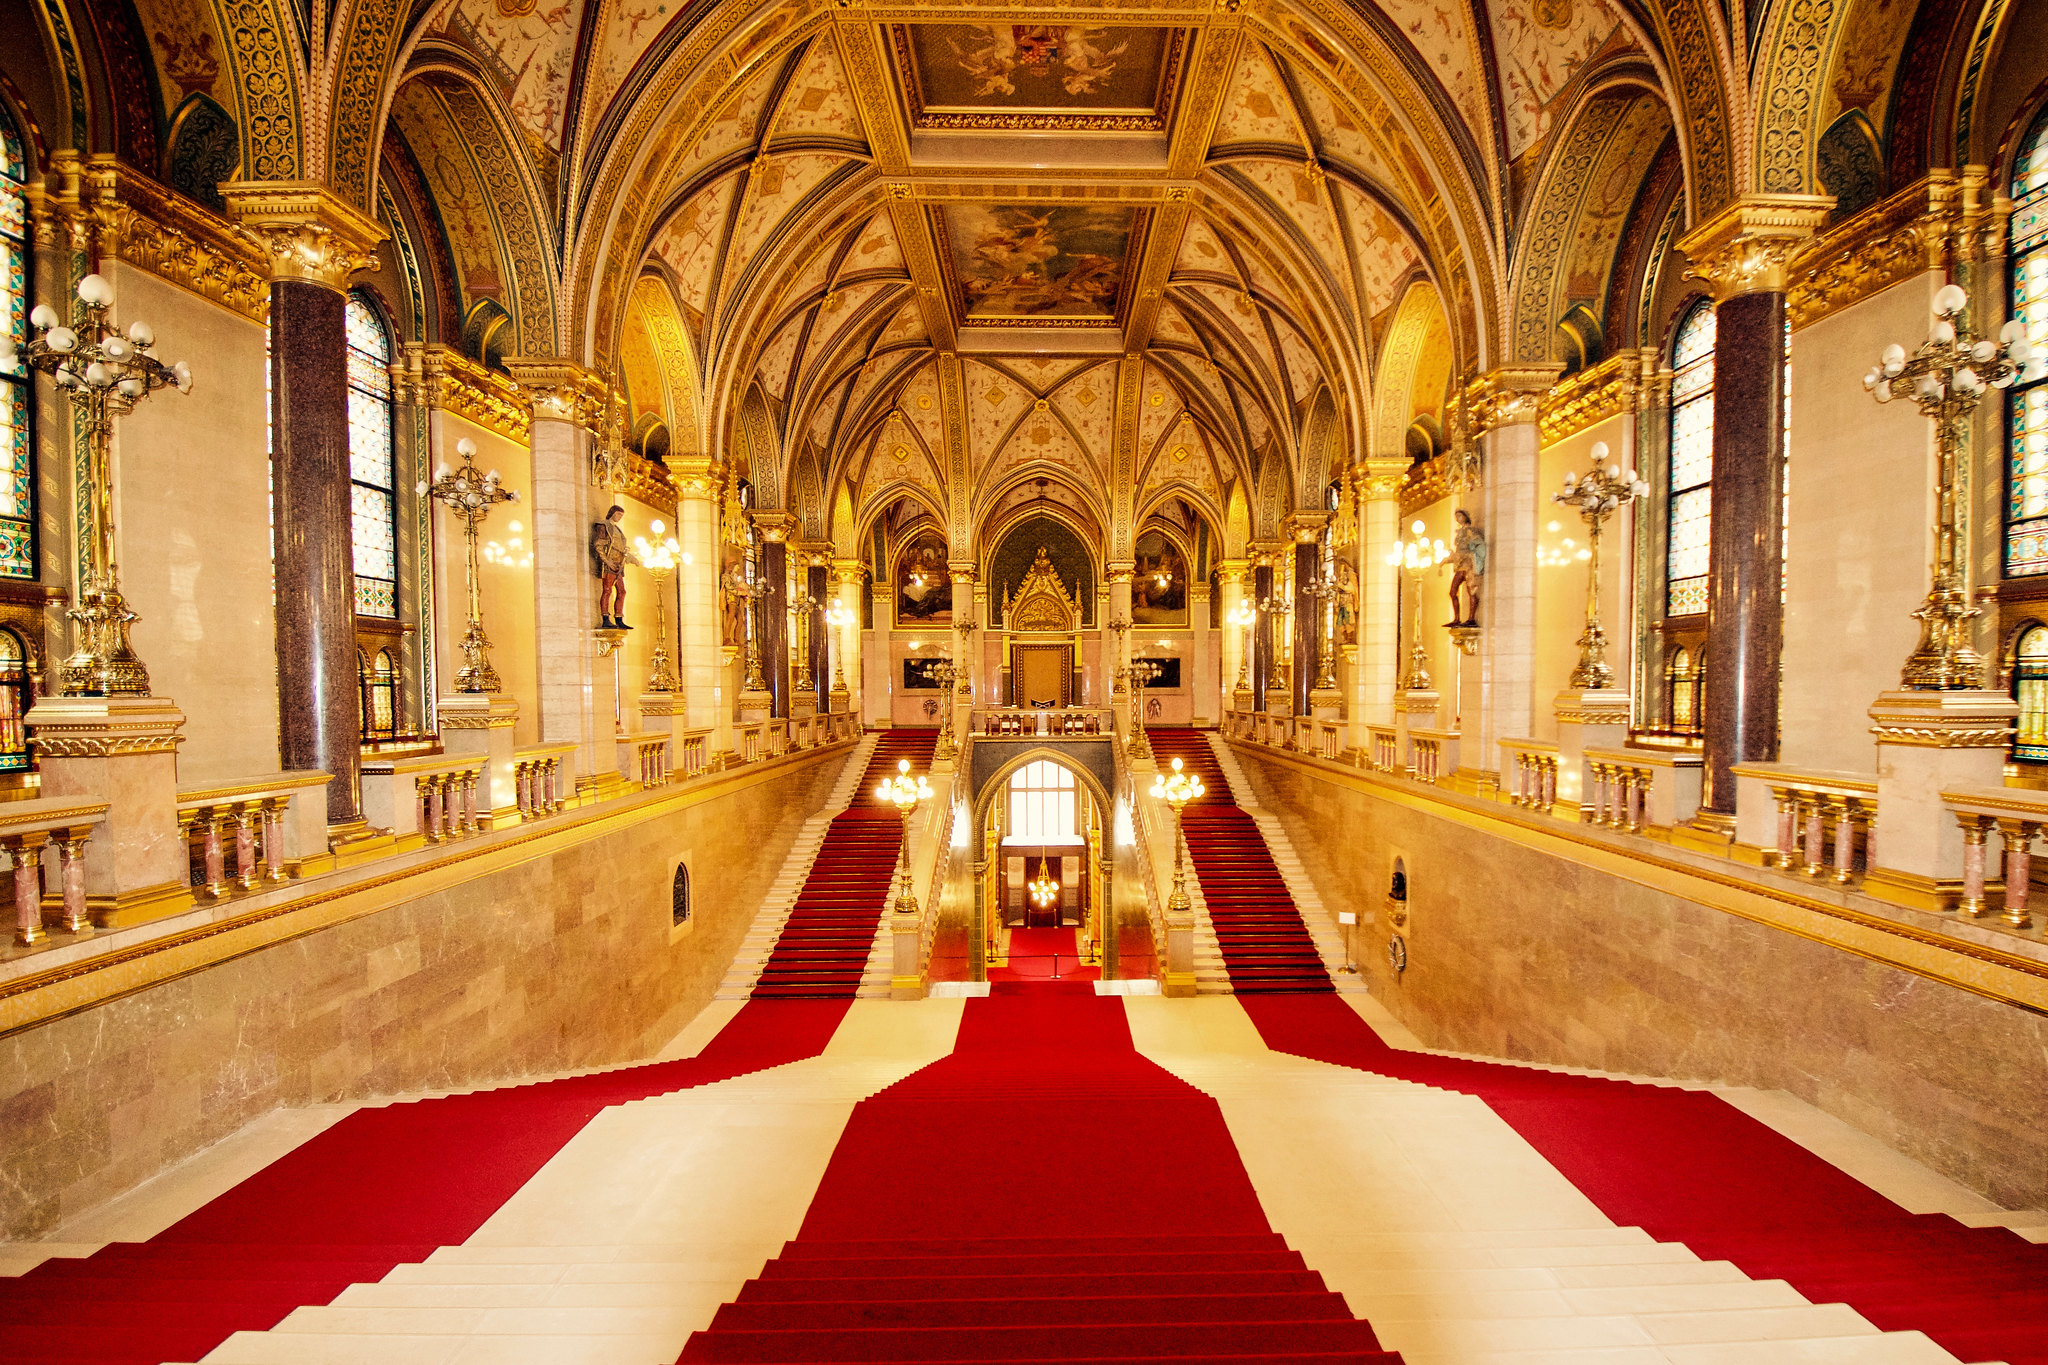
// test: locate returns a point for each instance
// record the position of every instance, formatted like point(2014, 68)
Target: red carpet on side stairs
point(1687, 1166)
point(388, 1185)
point(1044, 1193)
point(1265, 945)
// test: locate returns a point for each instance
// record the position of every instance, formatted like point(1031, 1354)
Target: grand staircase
point(822, 951)
point(1266, 947)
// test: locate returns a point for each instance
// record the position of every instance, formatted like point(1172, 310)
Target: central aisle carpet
point(1045, 955)
point(1044, 1193)
point(1686, 1166)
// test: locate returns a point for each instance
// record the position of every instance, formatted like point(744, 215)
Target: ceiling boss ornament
point(1946, 376)
point(104, 372)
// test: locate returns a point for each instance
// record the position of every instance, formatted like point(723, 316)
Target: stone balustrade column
point(1499, 689)
point(1378, 484)
point(1744, 253)
point(315, 243)
point(578, 686)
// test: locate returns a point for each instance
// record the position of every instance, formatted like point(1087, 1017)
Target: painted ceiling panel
point(775, 186)
point(817, 102)
point(527, 52)
point(735, 129)
point(1385, 254)
point(1540, 46)
point(1088, 402)
point(1257, 108)
point(688, 245)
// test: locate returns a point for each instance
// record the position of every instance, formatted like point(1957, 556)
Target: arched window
point(679, 897)
point(1043, 805)
point(2030, 689)
point(1692, 462)
point(15, 698)
point(17, 459)
point(2026, 502)
point(1682, 679)
point(380, 696)
point(370, 461)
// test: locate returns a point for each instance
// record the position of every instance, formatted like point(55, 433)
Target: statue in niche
point(1468, 566)
point(608, 556)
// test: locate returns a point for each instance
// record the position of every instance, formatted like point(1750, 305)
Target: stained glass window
point(374, 501)
point(380, 695)
point(1692, 462)
point(2030, 689)
point(15, 698)
point(17, 461)
point(2026, 507)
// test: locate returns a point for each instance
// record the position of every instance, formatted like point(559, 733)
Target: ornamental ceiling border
point(1701, 66)
point(266, 79)
point(355, 122)
point(1556, 204)
point(1791, 98)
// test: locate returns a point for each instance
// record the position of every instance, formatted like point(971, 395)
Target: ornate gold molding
point(559, 390)
point(1926, 226)
point(134, 219)
point(1591, 397)
point(1378, 479)
point(439, 376)
point(1425, 483)
point(696, 476)
point(649, 483)
point(1749, 247)
point(1509, 396)
point(1944, 720)
point(304, 230)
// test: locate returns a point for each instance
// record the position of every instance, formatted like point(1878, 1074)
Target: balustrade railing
point(1823, 822)
point(1383, 749)
point(1529, 773)
point(235, 833)
point(997, 722)
point(433, 796)
point(1432, 754)
point(540, 777)
point(693, 753)
point(1641, 790)
point(28, 831)
point(643, 757)
point(2017, 816)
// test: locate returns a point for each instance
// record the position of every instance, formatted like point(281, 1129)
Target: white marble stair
point(1317, 918)
point(781, 895)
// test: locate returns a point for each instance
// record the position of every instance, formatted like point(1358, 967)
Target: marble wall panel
point(192, 528)
point(559, 962)
point(1561, 574)
point(505, 571)
point(1515, 953)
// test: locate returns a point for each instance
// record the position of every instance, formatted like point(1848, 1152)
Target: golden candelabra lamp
point(471, 494)
point(1274, 604)
point(1597, 495)
point(1244, 616)
point(802, 606)
point(839, 616)
point(659, 557)
point(1045, 892)
point(1324, 590)
point(104, 372)
point(905, 793)
point(943, 673)
point(1417, 556)
point(1141, 672)
point(1176, 788)
point(1946, 376)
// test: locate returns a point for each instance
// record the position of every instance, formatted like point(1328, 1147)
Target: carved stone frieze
point(559, 390)
point(1509, 396)
point(1942, 219)
point(438, 376)
point(1592, 396)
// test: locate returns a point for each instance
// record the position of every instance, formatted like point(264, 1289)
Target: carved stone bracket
point(304, 230)
point(1593, 395)
point(1749, 247)
point(1509, 396)
point(1926, 226)
point(438, 376)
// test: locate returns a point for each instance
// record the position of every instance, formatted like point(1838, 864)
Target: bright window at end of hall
point(1043, 805)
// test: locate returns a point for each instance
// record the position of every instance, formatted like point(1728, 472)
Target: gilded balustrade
point(29, 830)
point(540, 777)
point(1529, 767)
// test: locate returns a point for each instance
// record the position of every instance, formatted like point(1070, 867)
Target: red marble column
point(821, 657)
point(775, 621)
point(1745, 571)
point(1262, 634)
point(318, 688)
point(1307, 616)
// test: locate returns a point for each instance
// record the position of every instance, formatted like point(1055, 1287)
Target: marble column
point(1379, 592)
point(1504, 408)
point(1262, 630)
point(1308, 612)
point(316, 242)
point(1233, 575)
point(578, 702)
point(965, 645)
point(847, 664)
point(774, 606)
point(816, 585)
point(878, 688)
point(1745, 253)
point(699, 671)
point(1202, 661)
point(1116, 644)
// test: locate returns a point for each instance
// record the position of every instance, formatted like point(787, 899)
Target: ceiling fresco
point(1075, 77)
point(1026, 263)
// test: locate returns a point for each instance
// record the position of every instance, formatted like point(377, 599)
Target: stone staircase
point(781, 895)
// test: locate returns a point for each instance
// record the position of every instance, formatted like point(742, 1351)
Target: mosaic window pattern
point(17, 461)
point(380, 695)
point(370, 463)
point(2030, 689)
point(1692, 462)
point(15, 697)
point(2026, 494)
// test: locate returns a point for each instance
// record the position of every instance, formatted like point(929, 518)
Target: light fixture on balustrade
point(1418, 554)
point(1597, 494)
point(659, 557)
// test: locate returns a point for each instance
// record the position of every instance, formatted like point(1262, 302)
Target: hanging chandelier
point(1044, 890)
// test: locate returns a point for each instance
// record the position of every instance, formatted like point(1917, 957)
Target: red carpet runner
point(1688, 1167)
point(1266, 947)
point(1044, 1193)
point(824, 947)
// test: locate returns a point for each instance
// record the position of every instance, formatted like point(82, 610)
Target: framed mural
point(924, 585)
point(922, 675)
point(1040, 77)
point(1169, 673)
point(1030, 265)
point(1159, 582)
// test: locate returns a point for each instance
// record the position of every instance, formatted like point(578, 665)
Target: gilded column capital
point(847, 572)
point(1304, 527)
point(1234, 570)
point(1511, 395)
point(1749, 247)
point(304, 230)
point(1379, 479)
point(696, 476)
point(775, 526)
point(560, 390)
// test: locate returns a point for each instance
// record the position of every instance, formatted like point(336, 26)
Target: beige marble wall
point(1859, 485)
point(192, 527)
point(559, 962)
point(506, 575)
point(1515, 953)
point(1561, 574)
